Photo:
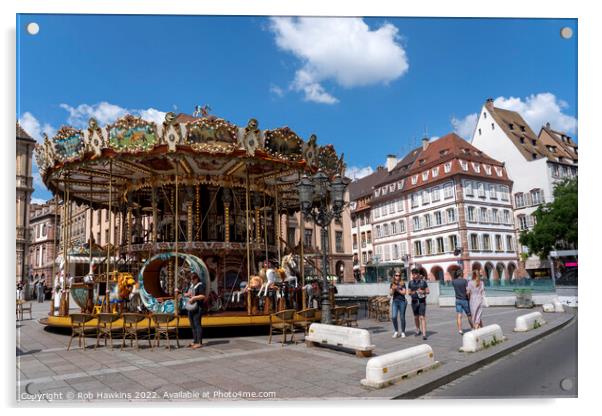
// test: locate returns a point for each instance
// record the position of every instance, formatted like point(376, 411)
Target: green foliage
point(556, 222)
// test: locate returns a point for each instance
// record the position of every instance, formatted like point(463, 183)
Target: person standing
point(418, 291)
point(398, 304)
point(476, 294)
point(40, 291)
point(196, 294)
point(460, 284)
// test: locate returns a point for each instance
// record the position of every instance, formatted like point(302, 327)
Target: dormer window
point(464, 165)
point(414, 179)
point(476, 167)
point(533, 142)
point(511, 126)
point(443, 152)
point(492, 126)
point(425, 175)
point(421, 162)
point(484, 114)
point(534, 155)
point(522, 140)
point(435, 172)
point(447, 167)
point(560, 159)
point(498, 171)
point(479, 132)
point(522, 128)
point(466, 151)
point(487, 169)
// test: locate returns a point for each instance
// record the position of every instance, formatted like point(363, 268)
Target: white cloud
point(276, 90)
point(465, 126)
point(34, 128)
point(106, 113)
point(539, 109)
point(343, 50)
point(38, 201)
point(356, 172)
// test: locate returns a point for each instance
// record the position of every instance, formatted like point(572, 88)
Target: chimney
point(489, 104)
point(425, 143)
point(391, 162)
point(548, 125)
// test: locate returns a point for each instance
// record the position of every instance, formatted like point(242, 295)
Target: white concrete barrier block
point(528, 322)
point(485, 337)
point(549, 307)
point(389, 368)
point(340, 336)
point(558, 306)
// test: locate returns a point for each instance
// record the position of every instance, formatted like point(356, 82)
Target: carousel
point(194, 194)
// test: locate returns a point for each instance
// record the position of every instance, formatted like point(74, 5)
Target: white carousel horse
point(289, 262)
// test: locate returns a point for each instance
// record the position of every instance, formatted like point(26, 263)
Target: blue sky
point(369, 86)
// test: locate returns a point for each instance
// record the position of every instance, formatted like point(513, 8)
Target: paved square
point(228, 367)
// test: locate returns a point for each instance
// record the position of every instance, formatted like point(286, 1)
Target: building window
point(429, 247)
point(417, 248)
point(476, 167)
point(447, 167)
point(400, 205)
point(354, 241)
point(471, 214)
point(393, 228)
point(509, 243)
point(308, 238)
point(519, 200)
point(417, 225)
point(498, 243)
point(290, 236)
point(395, 255)
point(451, 215)
point(435, 194)
point(435, 172)
point(402, 226)
point(479, 132)
point(386, 230)
point(468, 188)
point(453, 242)
point(438, 218)
point(378, 233)
point(464, 165)
point(505, 192)
point(494, 216)
point(481, 190)
point(536, 196)
point(506, 216)
point(364, 257)
point(425, 197)
point(414, 179)
point(484, 218)
point(522, 222)
point(425, 175)
point(427, 221)
point(555, 173)
point(414, 199)
point(492, 191)
point(492, 126)
point(440, 245)
point(448, 191)
point(369, 237)
point(474, 242)
point(338, 238)
point(486, 242)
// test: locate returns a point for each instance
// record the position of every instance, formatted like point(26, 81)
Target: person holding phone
point(398, 304)
point(419, 289)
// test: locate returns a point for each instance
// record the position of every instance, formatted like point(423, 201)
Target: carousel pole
point(55, 231)
point(247, 239)
point(177, 231)
point(265, 228)
point(155, 221)
point(108, 260)
point(90, 229)
point(277, 219)
point(302, 260)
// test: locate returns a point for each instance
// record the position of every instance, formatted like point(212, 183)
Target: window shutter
point(446, 244)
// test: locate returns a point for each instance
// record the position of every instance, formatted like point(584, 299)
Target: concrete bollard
point(528, 322)
point(485, 337)
point(386, 369)
point(548, 307)
point(340, 336)
point(558, 307)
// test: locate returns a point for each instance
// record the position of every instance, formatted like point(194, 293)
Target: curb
point(447, 378)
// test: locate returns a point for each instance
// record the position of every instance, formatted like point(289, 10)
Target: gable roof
point(362, 187)
point(22, 134)
point(561, 140)
point(520, 133)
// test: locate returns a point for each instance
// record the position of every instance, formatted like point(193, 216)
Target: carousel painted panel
point(212, 135)
point(68, 144)
point(132, 134)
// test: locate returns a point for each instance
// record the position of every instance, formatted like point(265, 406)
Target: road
point(546, 368)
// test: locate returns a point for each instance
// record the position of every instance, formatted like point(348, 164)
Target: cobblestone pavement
point(232, 367)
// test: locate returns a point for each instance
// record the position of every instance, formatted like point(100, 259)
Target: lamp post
point(322, 200)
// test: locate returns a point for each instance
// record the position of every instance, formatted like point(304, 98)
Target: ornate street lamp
point(323, 200)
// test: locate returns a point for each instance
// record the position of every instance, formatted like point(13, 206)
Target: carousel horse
point(236, 295)
point(290, 264)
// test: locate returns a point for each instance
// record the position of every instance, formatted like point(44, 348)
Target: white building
point(446, 205)
point(535, 163)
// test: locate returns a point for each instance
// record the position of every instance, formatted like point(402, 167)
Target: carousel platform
point(215, 319)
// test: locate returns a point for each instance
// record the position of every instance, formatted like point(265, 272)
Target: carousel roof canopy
point(134, 155)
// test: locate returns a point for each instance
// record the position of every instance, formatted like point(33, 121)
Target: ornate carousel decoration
point(191, 195)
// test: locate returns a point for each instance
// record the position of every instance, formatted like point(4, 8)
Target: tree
point(556, 222)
